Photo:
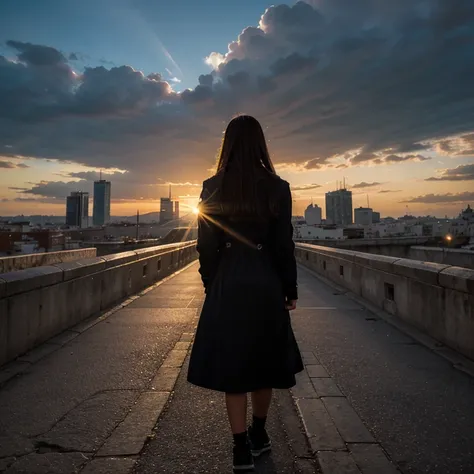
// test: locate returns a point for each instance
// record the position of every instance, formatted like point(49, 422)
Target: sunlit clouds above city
point(374, 93)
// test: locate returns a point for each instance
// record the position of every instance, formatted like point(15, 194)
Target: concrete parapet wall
point(38, 303)
point(352, 244)
point(455, 257)
point(20, 262)
point(402, 247)
point(436, 298)
point(391, 247)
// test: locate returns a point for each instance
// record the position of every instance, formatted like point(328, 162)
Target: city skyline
point(353, 94)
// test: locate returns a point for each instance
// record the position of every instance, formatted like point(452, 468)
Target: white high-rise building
point(363, 216)
point(313, 215)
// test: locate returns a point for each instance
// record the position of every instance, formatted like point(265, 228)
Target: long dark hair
point(244, 162)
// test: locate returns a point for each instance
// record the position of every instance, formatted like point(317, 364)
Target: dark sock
point(258, 423)
point(240, 438)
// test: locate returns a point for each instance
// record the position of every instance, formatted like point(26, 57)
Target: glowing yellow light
point(449, 238)
point(195, 210)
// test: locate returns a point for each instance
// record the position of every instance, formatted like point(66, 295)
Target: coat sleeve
point(285, 247)
point(208, 239)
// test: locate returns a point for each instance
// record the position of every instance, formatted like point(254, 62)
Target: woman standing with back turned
point(244, 341)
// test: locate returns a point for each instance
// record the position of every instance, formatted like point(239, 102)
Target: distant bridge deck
point(110, 396)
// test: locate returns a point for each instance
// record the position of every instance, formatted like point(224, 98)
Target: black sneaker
point(259, 442)
point(243, 460)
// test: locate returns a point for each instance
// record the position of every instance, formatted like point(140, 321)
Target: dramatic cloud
point(378, 80)
point(458, 146)
point(386, 191)
point(400, 158)
point(460, 173)
point(15, 188)
point(379, 159)
point(305, 187)
point(11, 165)
point(120, 90)
point(125, 186)
point(57, 189)
point(365, 185)
point(443, 198)
point(37, 55)
point(317, 163)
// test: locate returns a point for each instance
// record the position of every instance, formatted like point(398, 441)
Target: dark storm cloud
point(413, 147)
point(460, 173)
point(33, 87)
point(206, 80)
point(199, 94)
point(291, 64)
point(42, 85)
point(118, 90)
point(390, 79)
point(37, 55)
point(58, 189)
point(443, 198)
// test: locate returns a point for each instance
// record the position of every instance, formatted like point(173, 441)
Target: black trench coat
point(244, 340)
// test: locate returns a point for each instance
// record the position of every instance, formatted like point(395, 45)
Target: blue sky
point(133, 32)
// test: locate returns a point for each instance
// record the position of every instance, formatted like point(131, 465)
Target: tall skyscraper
point(166, 209)
point(339, 207)
point(101, 210)
point(77, 209)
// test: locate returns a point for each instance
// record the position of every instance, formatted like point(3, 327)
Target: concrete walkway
point(372, 393)
point(110, 396)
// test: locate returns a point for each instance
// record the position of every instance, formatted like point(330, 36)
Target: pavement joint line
point(327, 430)
point(130, 435)
point(77, 405)
point(5, 376)
point(457, 361)
point(192, 299)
